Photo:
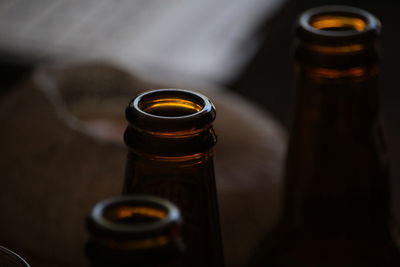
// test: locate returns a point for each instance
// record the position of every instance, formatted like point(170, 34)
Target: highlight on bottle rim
point(11, 259)
point(338, 23)
point(133, 217)
point(170, 109)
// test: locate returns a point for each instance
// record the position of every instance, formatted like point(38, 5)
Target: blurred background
point(241, 46)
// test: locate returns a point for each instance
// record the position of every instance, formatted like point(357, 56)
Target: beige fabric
point(59, 158)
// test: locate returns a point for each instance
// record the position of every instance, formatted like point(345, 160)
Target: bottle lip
point(12, 256)
point(306, 31)
point(99, 223)
point(138, 117)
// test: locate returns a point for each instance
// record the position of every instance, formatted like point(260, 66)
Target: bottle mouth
point(338, 24)
point(335, 23)
point(170, 110)
point(168, 104)
point(134, 213)
point(131, 217)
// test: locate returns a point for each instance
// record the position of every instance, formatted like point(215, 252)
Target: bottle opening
point(134, 223)
point(337, 26)
point(132, 214)
point(171, 104)
point(338, 23)
point(166, 111)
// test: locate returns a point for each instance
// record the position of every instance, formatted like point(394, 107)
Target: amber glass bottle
point(138, 230)
point(337, 197)
point(170, 139)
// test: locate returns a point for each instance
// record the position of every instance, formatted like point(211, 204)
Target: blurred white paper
point(209, 39)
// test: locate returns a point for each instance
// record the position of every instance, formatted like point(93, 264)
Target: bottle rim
point(100, 223)
point(200, 111)
point(12, 256)
point(362, 25)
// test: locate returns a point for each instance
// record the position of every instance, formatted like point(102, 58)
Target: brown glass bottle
point(337, 197)
point(138, 230)
point(170, 140)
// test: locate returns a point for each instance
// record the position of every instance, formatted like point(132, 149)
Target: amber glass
point(170, 139)
point(138, 230)
point(11, 259)
point(337, 199)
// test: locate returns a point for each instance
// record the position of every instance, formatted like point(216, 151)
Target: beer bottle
point(138, 230)
point(337, 208)
point(9, 258)
point(170, 139)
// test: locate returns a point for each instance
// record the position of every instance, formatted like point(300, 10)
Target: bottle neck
point(168, 166)
point(189, 182)
point(337, 164)
point(170, 145)
point(170, 139)
point(170, 124)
